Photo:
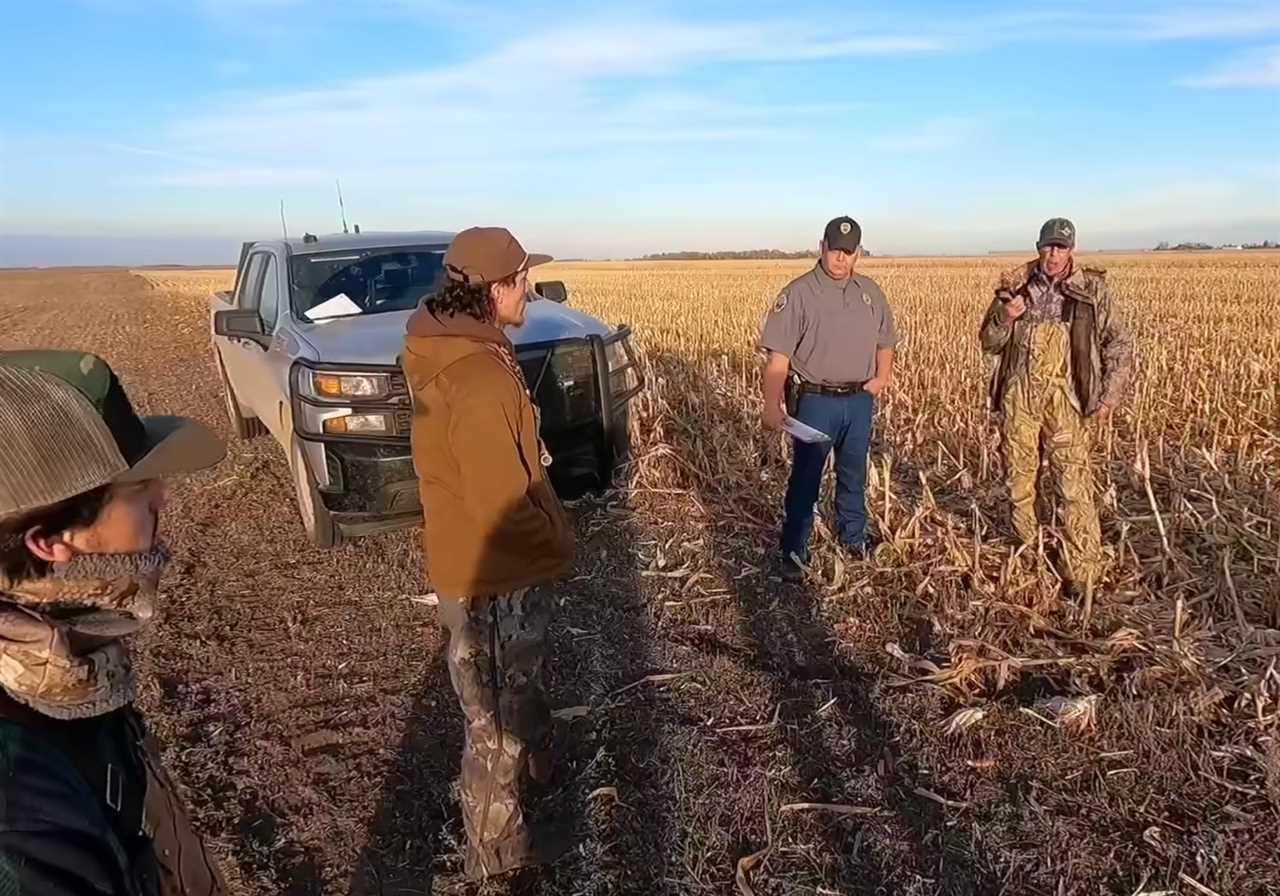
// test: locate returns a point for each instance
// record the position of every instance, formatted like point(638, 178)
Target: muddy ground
point(307, 711)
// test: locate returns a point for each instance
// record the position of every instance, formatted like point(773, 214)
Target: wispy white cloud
point(561, 90)
point(531, 117)
point(1230, 20)
point(244, 177)
point(895, 31)
point(1109, 24)
point(597, 83)
point(265, 16)
point(183, 158)
point(935, 135)
point(1255, 68)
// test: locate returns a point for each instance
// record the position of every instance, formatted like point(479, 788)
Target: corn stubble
point(1188, 614)
point(1187, 474)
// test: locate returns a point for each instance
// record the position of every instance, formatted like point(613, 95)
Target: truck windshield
point(364, 281)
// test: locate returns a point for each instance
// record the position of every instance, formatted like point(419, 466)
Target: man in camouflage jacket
point(1065, 357)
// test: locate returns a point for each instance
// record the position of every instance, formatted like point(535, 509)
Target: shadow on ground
point(417, 827)
point(837, 745)
point(614, 778)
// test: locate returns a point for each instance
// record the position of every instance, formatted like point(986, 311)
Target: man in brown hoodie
point(495, 536)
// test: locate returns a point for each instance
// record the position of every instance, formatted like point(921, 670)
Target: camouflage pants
point(496, 651)
point(1038, 411)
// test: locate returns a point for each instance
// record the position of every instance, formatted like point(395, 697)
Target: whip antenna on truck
point(341, 208)
point(283, 226)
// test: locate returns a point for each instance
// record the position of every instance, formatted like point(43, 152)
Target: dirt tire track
point(301, 695)
point(264, 641)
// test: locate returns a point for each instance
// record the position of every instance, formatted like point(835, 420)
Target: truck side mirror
point(552, 290)
point(237, 324)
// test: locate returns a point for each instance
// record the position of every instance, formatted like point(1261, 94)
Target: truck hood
point(379, 338)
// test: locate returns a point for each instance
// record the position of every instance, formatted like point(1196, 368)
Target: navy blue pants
point(847, 419)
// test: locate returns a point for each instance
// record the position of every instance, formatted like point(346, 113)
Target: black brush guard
point(584, 422)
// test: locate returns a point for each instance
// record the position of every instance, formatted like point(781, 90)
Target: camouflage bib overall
point(1040, 409)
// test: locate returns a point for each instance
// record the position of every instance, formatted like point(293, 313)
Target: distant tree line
point(742, 255)
point(1163, 246)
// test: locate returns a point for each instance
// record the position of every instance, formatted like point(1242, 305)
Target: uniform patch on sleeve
point(781, 303)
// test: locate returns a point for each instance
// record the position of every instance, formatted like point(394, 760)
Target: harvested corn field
point(938, 720)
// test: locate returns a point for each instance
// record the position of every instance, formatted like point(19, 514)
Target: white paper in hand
point(338, 306)
point(804, 432)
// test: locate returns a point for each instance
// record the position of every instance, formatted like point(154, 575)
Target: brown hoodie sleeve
point(486, 434)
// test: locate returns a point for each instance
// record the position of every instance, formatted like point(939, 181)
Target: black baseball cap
point(843, 233)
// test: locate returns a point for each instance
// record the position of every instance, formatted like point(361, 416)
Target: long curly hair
point(472, 299)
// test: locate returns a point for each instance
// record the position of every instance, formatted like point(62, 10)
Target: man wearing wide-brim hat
point(1065, 358)
point(85, 804)
point(495, 537)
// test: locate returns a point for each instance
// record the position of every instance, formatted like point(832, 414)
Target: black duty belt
point(838, 389)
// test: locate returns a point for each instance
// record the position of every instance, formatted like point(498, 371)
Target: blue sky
point(139, 131)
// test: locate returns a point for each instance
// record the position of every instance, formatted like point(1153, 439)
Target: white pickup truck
point(308, 344)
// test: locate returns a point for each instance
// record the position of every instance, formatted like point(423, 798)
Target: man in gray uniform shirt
point(830, 337)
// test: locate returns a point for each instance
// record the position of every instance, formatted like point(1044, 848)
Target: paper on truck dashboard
point(804, 432)
point(338, 306)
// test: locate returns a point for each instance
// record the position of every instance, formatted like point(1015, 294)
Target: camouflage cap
point(1057, 232)
point(67, 427)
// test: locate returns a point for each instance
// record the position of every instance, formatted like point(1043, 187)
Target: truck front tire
point(244, 427)
point(316, 518)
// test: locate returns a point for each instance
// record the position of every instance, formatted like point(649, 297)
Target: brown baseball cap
point(487, 255)
point(67, 427)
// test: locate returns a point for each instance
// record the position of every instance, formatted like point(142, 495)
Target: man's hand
point(773, 417)
point(1014, 309)
point(775, 390)
point(875, 385)
point(1103, 413)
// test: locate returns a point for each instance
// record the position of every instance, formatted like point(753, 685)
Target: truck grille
point(333, 468)
point(562, 380)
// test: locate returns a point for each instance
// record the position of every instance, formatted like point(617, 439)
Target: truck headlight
point(354, 403)
point(343, 386)
point(361, 425)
